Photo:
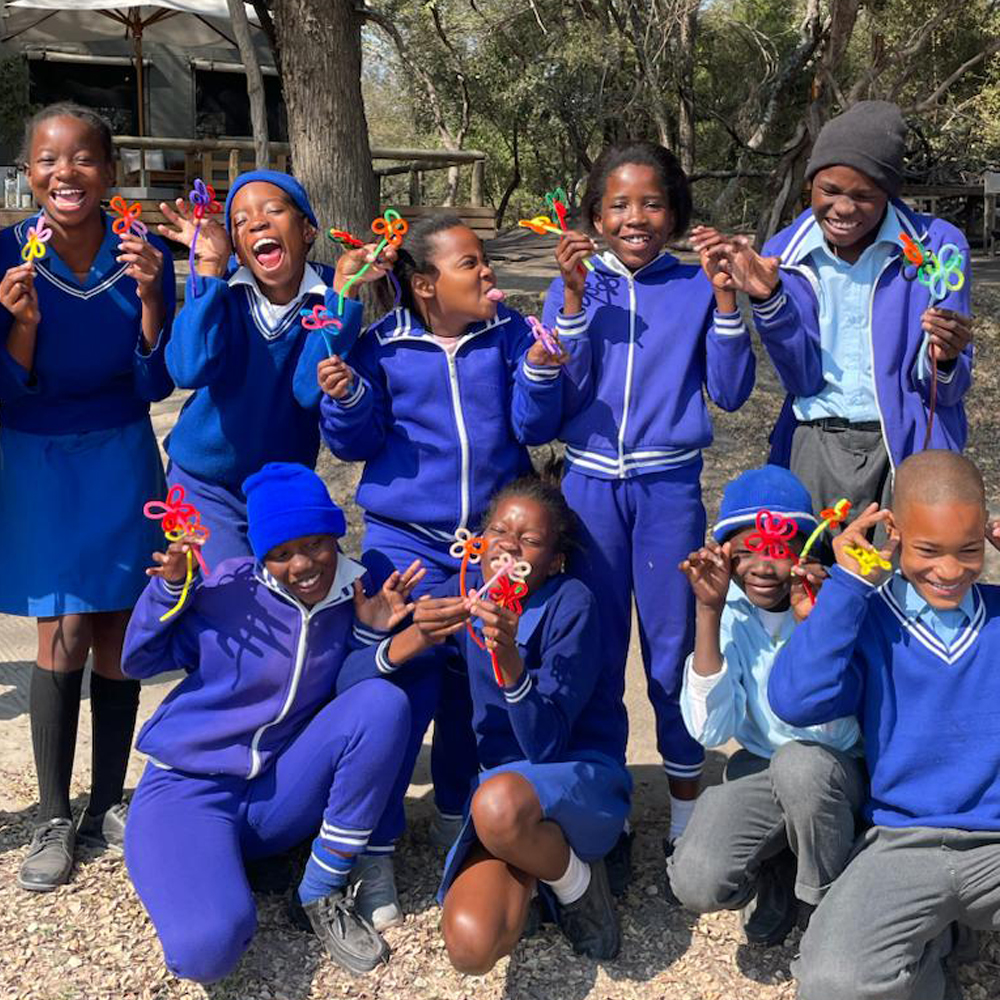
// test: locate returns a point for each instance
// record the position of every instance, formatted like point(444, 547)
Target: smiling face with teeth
point(634, 216)
point(849, 206)
point(942, 548)
point(272, 238)
point(523, 529)
point(306, 566)
point(766, 582)
point(68, 170)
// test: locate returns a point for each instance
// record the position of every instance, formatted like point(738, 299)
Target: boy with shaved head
point(915, 655)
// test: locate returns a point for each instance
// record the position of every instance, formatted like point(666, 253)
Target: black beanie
point(869, 136)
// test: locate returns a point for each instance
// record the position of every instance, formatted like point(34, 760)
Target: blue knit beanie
point(768, 488)
point(286, 500)
point(286, 182)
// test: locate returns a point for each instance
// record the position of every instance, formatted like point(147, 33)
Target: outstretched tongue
point(495, 295)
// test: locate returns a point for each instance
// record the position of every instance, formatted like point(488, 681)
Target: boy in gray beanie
point(850, 334)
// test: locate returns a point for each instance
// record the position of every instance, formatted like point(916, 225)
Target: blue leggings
point(636, 532)
point(438, 687)
point(188, 835)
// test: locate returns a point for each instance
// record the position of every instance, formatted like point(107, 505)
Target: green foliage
point(15, 108)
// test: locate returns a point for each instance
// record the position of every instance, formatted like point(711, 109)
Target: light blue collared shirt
point(945, 623)
point(845, 297)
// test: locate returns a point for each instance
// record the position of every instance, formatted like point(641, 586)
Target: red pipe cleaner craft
point(127, 218)
point(774, 532)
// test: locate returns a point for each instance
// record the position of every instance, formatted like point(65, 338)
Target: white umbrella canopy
point(44, 22)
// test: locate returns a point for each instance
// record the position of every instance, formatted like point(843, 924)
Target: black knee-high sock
point(54, 704)
point(113, 706)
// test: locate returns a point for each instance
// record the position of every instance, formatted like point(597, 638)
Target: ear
point(892, 529)
point(558, 565)
point(309, 232)
point(423, 286)
point(109, 173)
point(595, 221)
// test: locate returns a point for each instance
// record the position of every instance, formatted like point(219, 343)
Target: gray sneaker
point(349, 939)
point(591, 922)
point(444, 830)
point(375, 896)
point(50, 857)
point(105, 832)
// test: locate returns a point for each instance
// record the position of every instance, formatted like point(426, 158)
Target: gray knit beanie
point(869, 136)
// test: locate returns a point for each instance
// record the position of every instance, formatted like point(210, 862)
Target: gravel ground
point(92, 941)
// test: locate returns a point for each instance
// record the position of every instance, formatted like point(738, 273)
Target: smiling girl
point(240, 344)
point(82, 334)
point(439, 400)
point(650, 347)
point(553, 792)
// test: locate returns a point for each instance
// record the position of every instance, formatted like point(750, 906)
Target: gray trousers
point(842, 463)
point(806, 797)
point(885, 926)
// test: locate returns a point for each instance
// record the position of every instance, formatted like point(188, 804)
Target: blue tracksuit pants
point(187, 835)
point(437, 689)
point(223, 511)
point(636, 532)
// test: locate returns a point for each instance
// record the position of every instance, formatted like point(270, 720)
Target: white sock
point(573, 882)
point(680, 813)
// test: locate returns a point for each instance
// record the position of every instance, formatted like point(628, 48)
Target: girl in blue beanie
point(260, 747)
point(240, 343)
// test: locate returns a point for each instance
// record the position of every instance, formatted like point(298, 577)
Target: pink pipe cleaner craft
point(38, 235)
point(203, 202)
point(319, 318)
point(545, 335)
point(180, 519)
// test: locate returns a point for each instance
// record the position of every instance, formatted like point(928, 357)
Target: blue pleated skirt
point(73, 538)
point(588, 797)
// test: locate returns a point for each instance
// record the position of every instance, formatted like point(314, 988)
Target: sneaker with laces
point(50, 857)
point(590, 924)
point(105, 832)
point(374, 880)
point(444, 830)
point(349, 939)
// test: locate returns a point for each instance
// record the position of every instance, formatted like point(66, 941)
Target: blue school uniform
point(926, 696)
point(255, 750)
point(644, 350)
point(253, 368)
point(562, 725)
point(78, 458)
point(439, 432)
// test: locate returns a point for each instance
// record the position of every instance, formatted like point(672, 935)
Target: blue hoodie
point(440, 433)
point(788, 324)
point(644, 349)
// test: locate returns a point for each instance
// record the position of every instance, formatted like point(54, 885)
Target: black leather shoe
point(349, 939)
point(591, 923)
point(50, 858)
point(773, 912)
point(105, 832)
point(618, 862)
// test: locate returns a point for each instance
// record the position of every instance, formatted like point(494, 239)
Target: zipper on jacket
point(300, 656)
point(871, 348)
point(628, 376)
point(463, 438)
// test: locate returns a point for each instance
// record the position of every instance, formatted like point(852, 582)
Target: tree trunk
point(685, 78)
point(320, 43)
point(255, 82)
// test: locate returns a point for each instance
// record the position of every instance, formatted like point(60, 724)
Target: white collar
point(271, 318)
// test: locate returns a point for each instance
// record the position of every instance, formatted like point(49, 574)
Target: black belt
point(842, 424)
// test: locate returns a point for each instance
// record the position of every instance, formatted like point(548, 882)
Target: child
point(913, 654)
point(439, 401)
point(553, 794)
point(645, 344)
point(256, 748)
point(845, 328)
point(82, 334)
point(788, 787)
point(240, 343)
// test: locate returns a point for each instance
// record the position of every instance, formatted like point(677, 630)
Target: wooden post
point(414, 185)
point(234, 166)
point(255, 84)
point(206, 167)
point(478, 177)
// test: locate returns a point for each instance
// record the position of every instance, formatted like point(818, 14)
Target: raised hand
point(171, 565)
point(571, 251)
point(145, 265)
point(709, 570)
point(353, 262)
point(750, 272)
point(857, 555)
point(437, 618)
point(214, 247)
point(388, 607)
point(18, 295)
point(809, 572)
point(950, 332)
point(334, 376)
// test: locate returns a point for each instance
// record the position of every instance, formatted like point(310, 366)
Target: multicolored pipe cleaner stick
point(38, 235)
point(941, 275)
point(203, 201)
point(319, 318)
point(344, 239)
point(542, 224)
point(470, 549)
point(541, 332)
point(180, 520)
point(507, 594)
point(832, 517)
point(392, 227)
point(507, 584)
point(127, 218)
point(867, 559)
